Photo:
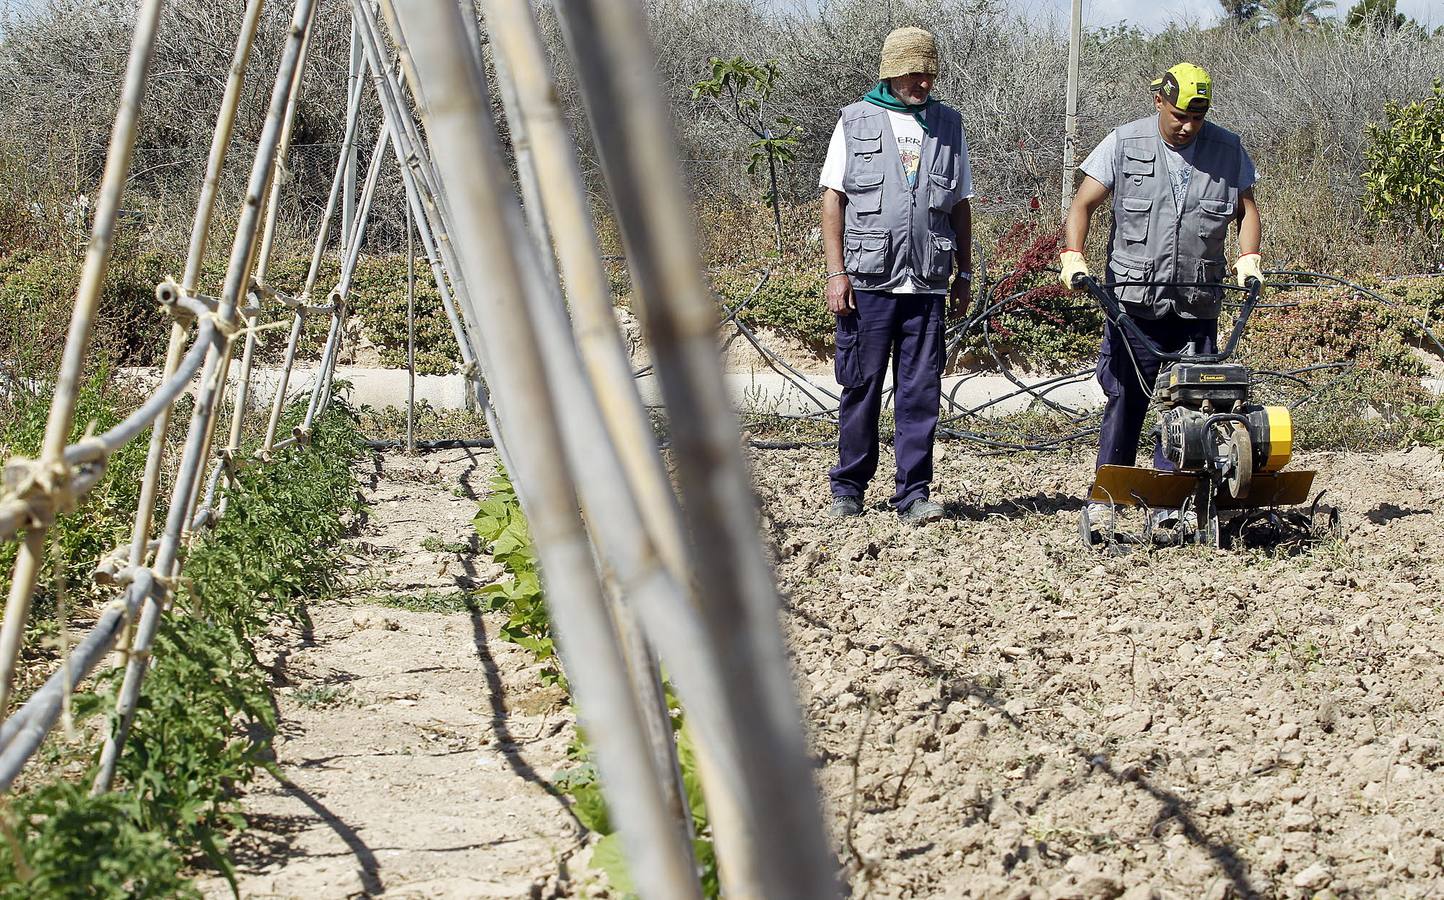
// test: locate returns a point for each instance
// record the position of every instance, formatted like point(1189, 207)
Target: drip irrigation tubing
point(1083, 421)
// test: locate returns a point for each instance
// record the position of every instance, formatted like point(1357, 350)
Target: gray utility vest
point(1153, 239)
point(893, 231)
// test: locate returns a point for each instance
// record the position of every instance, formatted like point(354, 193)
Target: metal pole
point(410, 334)
point(1070, 127)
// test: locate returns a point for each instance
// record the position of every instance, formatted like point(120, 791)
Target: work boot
point(922, 511)
point(845, 506)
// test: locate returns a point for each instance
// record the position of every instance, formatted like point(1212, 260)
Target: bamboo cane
point(604, 493)
point(460, 131)
point(416, 171)
point(77, 339)
point(419, 177)
point(340, 293)
point(195, 256)
point(780, 814)
point(263, 259)
point(348, 149)
point(191, 466)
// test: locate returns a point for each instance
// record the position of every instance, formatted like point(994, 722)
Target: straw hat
point(908, 49)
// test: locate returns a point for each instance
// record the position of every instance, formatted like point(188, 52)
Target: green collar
point(882, 95)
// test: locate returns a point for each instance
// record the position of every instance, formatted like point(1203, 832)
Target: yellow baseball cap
point(1186, 86)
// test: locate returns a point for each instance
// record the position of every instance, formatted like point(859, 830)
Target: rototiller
point(1228, 452)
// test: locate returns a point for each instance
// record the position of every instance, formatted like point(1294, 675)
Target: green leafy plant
point(1405, 174)
point(202, 728)
point(747, 87)
point(102, 519)
point(501, 522)
point(64, 843)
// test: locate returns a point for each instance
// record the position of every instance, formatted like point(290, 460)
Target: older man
point(896, 223)
point(1177, 182)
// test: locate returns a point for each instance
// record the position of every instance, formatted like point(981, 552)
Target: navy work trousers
point(908, 330)
point(1127, 380)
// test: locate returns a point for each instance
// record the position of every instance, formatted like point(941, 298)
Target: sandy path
point(414, 746)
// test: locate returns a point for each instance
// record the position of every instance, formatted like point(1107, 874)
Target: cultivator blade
point(1274, 527)
point(1267, 515)
point(1136, 486)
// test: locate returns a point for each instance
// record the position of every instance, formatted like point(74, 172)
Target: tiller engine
point(1228, 455)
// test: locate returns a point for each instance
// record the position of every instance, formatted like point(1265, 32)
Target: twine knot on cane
point(43, 485)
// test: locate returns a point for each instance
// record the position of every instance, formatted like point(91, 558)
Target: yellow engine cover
point(1276, 448)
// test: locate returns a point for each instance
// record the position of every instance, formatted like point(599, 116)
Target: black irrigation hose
point(444, 444)
point(792, 445)
point(986, 309)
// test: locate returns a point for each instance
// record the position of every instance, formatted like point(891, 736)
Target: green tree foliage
point(747, 87)
point(1295, 13)
point(1381, 15)
point(1241, 11)
point(1405, 173)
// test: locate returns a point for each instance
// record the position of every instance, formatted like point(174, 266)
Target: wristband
point(831, 275)
point(966, 276)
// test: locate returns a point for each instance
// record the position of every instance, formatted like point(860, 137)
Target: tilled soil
point(998, 711)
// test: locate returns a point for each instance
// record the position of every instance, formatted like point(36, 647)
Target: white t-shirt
point(909, 134)
point(1099, 165)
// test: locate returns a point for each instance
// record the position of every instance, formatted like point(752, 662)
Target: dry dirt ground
point(996, 711)
point(999, 712)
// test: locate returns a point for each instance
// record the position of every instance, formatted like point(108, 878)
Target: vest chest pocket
point(1138, 166)
point(867, 145)
point(940, 192)
point(865, 252)
point(865, 195)
point(1213, 219)
point(866, 152)
point(1131, 219)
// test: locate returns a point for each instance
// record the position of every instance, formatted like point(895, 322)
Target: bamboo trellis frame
point(619, 548)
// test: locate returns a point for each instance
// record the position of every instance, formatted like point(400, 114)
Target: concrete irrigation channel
point(765, 390)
